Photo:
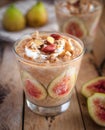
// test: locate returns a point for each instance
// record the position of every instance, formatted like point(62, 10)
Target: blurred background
point(4, 2)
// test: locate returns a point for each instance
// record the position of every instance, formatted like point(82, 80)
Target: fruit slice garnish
point(61, 86)
point(75, 26)
point(32, 87)
point(93, 86)
point(96, 108)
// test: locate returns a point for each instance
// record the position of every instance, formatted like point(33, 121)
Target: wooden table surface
point(14, 114)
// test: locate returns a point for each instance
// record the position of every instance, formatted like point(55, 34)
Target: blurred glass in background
point(79, 18)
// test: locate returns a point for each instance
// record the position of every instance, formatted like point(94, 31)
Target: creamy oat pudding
point(79, 18)
point(49, 63)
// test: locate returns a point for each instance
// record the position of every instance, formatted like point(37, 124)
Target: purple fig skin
point(96, 85)
point(96, 108)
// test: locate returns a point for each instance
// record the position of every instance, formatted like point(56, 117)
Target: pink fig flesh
point(96, 108)
point(93, 86)
point(32, 90)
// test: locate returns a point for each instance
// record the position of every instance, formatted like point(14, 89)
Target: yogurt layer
point(50, 48)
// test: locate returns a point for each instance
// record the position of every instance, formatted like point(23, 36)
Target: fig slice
point(76, 27)
point(62, 85)
point(33, 88)
point(96, 108)
point(93, 86)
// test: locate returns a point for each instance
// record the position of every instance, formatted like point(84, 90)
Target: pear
point(13, 19)
point(37, 16)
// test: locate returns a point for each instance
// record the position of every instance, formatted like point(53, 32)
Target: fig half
point(96, 108)
point(93, 86)
point(62, 85)
point(76, 27)
point(37, 15)
point(32, 87)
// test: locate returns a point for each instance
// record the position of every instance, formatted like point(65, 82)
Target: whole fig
point(37, 15)
point(13, 19)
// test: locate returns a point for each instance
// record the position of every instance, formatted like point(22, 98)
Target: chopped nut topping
point(67, 46)
point(49, 48)
point(50, 39)
point(68, 53)
point(38, 42)
point(35, 35)
point(70, 41)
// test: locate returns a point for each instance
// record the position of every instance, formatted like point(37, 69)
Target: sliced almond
point(72, 1)
point(68, 53)
point(70, 41)
point(50, 40)
point(67, 46)
point(38, 42)
point(29, 44)
point(35, 35)
point(33, 46)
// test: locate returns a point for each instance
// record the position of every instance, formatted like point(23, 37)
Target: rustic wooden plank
point(10, 93)
point(87, 72)
point(70, 120)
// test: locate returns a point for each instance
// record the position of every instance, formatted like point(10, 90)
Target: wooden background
point(14, 114)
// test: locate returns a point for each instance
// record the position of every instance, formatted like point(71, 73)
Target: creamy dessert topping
point(48, 47)
point(78, 6)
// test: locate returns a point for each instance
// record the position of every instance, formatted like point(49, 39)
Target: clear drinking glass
point(45, 84)
point(79, 18)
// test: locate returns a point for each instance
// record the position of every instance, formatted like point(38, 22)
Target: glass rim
point(87, 13)
point(50, 64)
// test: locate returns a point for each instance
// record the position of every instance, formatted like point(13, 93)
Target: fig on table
point(93, 86)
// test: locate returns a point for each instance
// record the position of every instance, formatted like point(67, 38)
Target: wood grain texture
point(10, 93)
point(87, 72)
point(4, 91)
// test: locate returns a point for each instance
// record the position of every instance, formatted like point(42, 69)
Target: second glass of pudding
point(79, 18)
point(49, 63)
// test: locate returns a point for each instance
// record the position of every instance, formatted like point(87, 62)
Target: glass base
point(48, 111)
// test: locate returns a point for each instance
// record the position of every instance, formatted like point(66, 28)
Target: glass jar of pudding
point(79, 18)
point(49, 63)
